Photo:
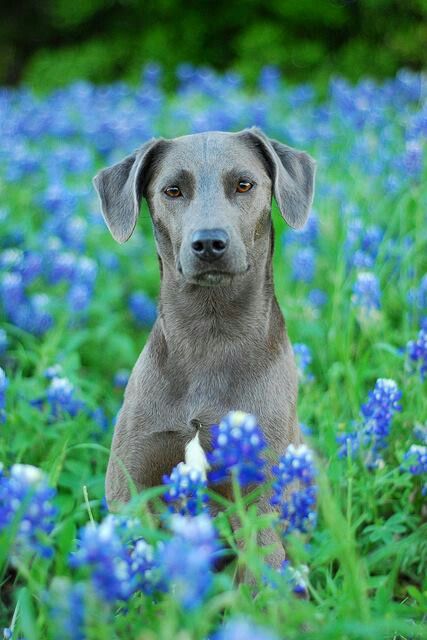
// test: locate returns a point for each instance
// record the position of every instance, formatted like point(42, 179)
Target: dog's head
point(209, 196)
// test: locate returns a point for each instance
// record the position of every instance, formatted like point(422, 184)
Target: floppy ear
point(120, 189)
point(292, 173)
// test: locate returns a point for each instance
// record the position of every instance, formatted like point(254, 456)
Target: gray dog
point(220, 341)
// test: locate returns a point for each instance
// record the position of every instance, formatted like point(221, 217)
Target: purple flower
point(417, 352)
point(241, 628)
point(186, 560)
point(186, 492)
point(294, 489)
point(143, 309)
point(25, 503)
point(237, 443)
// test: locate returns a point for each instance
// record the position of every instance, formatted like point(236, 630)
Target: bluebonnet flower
point(79, 297)
point(186, 492)
point(366, 295)
point(55, 371)
point(317, 298)
point(415, 460)
point(62, 399)
point(237, 446)
point(25, 503)
point(303, 359)
point(350, 443)
point(241, 628)
point(186, 560)
point(7, 633)
point(61, 267)
point(102, 551)
point(418, 295)
point(121, 378)
point(420, 433)
point(66, 602)
point(378, 412)
point(373, 432)
point(269, 79)
point(294, 489)
point(304, 264)
point(4, 342)
point(417, 352)
point(143, 309)
point(297, 577)
point(145, 566)
point(3, 386)
point(308, 235)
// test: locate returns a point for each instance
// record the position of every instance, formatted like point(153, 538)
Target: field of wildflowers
point(75, 310)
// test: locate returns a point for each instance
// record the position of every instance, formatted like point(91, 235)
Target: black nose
point(209, 244)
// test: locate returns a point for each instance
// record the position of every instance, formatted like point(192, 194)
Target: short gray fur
point(220, 341)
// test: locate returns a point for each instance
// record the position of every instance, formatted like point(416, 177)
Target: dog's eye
point(243, 186)
point(173, 192)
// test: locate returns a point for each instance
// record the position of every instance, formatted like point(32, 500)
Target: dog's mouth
point(213, 278)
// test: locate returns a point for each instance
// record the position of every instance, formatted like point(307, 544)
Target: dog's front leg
point(139, 458)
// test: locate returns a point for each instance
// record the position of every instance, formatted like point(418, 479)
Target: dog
point(219, 342)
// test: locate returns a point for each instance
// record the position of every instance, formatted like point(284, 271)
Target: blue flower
point(241, 628)
point(317, 298)
point(105, 555)
point(303, 359)
point(187, 559)
point(66, 603)
point(147, 575)
point(186, 492)
point(417, 352)
point(415, 460)
point(143, 309)
point(61, 398)
point(304, 264)
point(79, 297)
point(237, 444)
point(377, 414)
point(294, 489)
point(366, 295)
point(25, 503)
point(121, 378)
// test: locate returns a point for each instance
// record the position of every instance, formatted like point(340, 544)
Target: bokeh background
point(48, 44)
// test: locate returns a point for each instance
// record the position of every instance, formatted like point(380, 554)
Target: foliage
point(72, 329)
point(101, 41)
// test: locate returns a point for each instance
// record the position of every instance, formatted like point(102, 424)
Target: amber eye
point(173, 192)
point(243, 186)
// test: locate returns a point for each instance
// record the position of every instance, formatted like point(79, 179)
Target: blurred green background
point(50, 43)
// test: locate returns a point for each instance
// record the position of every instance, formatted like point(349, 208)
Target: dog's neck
point(244, 312)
